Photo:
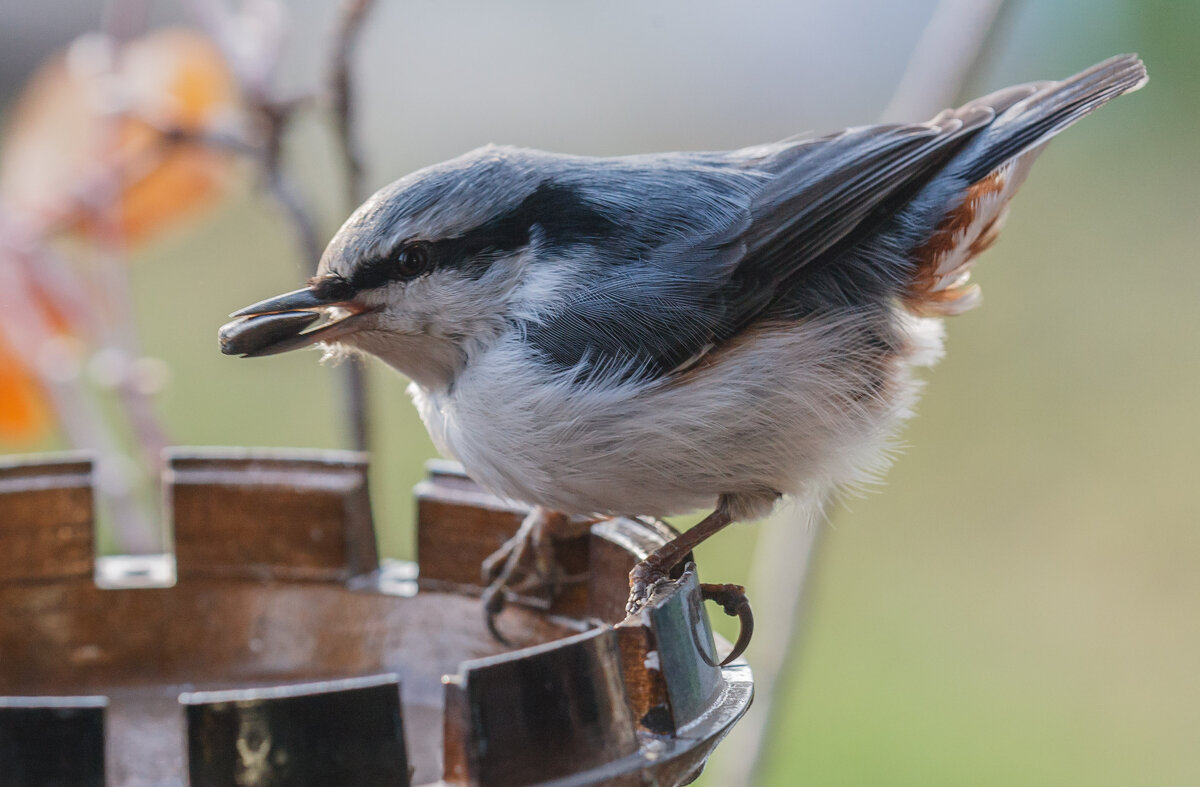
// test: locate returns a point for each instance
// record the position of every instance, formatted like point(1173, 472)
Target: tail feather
point(1044, 113)
point(993, 166)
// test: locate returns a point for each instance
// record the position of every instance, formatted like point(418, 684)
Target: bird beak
point(287, 322)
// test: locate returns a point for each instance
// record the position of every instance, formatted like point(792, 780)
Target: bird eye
point(413, 260)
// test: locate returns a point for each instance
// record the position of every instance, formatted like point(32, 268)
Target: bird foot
point(525, 567)
point(647, 578)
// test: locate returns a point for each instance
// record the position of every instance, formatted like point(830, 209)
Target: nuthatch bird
point(657, 334)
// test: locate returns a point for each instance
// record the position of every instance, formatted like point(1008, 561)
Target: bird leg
point(655, 570)
point(525, 565)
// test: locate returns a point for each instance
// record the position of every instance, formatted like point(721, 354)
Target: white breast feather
point(788, 410)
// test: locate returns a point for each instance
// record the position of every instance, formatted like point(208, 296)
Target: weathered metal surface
point(46, 513)
point(344, 732)
point(674, 643)
point(143, 646)
point(557, 710)
point(270, 514)
point(265, 614)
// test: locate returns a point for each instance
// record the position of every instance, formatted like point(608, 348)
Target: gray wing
point(799, 204)
point(786, 228)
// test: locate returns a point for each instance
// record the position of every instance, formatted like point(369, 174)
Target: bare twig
point(341, 94)
point(267, 156)
point(95, 299)
point(272, 117)
point(949, 50)
point(118, 336)
point(299, 216)
point(341, 104)
point(254, 65)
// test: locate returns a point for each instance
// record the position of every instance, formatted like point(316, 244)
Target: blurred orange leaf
point(24, 415)
point(99, 140)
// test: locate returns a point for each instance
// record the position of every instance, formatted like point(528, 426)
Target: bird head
point(428, 270)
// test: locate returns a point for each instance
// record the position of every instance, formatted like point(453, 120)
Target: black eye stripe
point(384, 270)
point(332, 288)
point(375, 273)
point(561, 213)
point(563, 216)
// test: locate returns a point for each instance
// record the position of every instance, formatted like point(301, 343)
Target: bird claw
point(494, 564)
point(493, 603)
point(735, 604)
point(524, 567)
point(644, 581)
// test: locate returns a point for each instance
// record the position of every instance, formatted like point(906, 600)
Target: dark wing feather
point(634, 322)
point(835, 193)
point(650, 317)
point(1048, 109)
point(819, 207)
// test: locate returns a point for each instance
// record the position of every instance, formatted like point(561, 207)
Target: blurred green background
point(1020, 605)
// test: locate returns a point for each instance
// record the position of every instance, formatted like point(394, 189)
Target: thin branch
point(341, 94)
point(119, 333)
point(342, 106)
point(300, 218)
point(96, 300)
point(272, 118)
point(267, 156)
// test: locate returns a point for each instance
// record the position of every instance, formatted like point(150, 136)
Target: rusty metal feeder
point(274, 648)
